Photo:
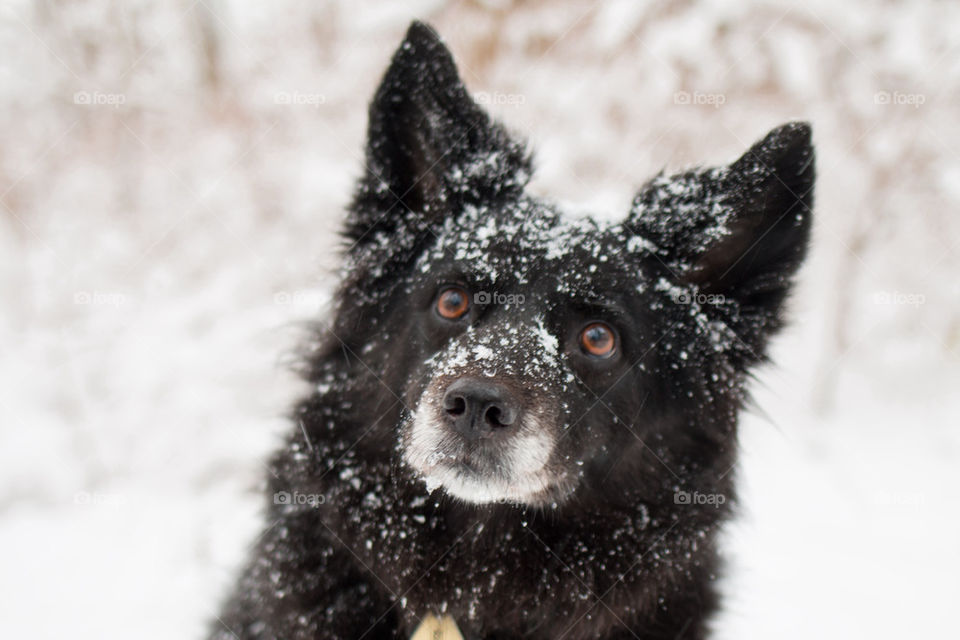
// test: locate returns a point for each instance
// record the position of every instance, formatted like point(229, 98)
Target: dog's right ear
point(430, 147)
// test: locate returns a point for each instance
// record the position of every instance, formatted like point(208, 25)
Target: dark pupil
point(597, 336)
point(453, 300)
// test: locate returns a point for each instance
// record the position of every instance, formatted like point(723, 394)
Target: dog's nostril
point(498, 416)
point(455, 405)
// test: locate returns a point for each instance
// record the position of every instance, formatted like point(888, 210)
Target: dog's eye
point(452, 303)
point(597, 339)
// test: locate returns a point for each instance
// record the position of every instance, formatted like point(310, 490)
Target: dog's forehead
point(513, 347)
point(520, 243)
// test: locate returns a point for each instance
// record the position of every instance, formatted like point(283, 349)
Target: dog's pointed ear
point(739, 231)
point(770, 190)
point(430, 147)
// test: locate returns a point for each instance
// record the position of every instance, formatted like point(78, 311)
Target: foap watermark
point(495, 297)
point(99, 99)
point(698, 98)
point(299, 99)
point(696, 297)
point(501, 99)
point(899, 98)
point(306, 298)
point(99, 298)
point(296, 498)
point(899, 298)
point(697, 498)
point(899, 498)
point(98, 499)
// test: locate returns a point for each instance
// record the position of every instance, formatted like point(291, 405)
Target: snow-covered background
point(171, 178)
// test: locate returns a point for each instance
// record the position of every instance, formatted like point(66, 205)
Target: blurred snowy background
point(171, 178)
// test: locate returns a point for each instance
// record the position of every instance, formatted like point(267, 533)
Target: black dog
point(522, 423)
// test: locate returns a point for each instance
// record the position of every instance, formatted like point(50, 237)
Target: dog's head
point(538, 355)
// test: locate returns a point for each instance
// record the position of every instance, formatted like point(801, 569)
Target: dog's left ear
point(739, 231)
point(430, 147)
point(770, 191)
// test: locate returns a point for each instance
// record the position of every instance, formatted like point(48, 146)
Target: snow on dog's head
point(531, 355)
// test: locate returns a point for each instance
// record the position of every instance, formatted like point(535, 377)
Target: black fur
point(607, 545)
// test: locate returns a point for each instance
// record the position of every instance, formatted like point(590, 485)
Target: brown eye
point(452, 303)
point(597, 339)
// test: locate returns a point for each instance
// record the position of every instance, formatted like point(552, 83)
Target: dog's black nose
point(479, 409)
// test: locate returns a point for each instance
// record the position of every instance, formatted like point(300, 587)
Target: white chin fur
point(523, 479)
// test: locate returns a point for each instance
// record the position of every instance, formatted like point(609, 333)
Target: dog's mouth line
point(463, 465)
point(454, 468)
point(484, 459)
point(527, 488)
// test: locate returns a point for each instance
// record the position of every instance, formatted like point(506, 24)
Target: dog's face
point(525, 324)
point(538, 354)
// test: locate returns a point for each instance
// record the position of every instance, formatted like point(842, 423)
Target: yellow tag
point(434, 628)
